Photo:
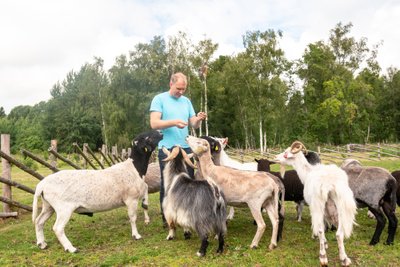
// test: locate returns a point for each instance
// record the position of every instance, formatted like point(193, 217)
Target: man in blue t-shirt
point(171, 112)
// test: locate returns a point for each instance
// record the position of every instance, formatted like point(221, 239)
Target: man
point(172, 112)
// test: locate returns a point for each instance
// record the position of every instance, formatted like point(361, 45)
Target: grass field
point(104, 239)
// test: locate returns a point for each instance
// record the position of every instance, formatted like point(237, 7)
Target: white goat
point(221, 158)
point(89, 191)
point(256, 189)
point(225, 160)
point(327, 191)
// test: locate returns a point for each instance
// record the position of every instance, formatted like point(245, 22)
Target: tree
point(336, 103)
point(265, 63)
point(74, 113)
point(2, 112)
point(201, 59)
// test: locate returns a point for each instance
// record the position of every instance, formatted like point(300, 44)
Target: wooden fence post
point(53, 158)
point(6, 173)
point(379, 151)
point(84, 149)
point(104, 152)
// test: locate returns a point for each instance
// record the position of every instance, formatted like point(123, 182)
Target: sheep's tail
point(346, 208)
point(38, 192)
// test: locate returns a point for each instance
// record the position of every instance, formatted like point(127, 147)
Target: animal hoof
point(219, 251)
point(323, 260)
point(137, 237)
point(200, 254)
point(72, 250)
point(373, 242)
point(346, 262)
point(170, 237)
point(389, 243)
point(271, 246)
point(146, 222)
point(42, 245)
point(253, 246)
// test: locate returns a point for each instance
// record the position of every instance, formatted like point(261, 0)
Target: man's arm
point(158, 124)
point(195, 121)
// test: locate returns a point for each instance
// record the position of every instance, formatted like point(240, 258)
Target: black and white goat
point(293, 185)
point(192, 204)
point(375, 188)
point(327, 191)
point(89, 191)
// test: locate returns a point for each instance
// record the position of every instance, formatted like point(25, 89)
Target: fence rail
point(370, 152)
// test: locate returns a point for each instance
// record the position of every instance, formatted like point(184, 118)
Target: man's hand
point(180, 124)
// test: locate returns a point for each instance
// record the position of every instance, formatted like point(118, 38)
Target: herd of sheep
point(332, 193)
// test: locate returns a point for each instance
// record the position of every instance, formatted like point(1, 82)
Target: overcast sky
point(42, 40)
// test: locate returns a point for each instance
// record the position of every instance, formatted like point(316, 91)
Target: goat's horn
point(187, 159)
point(296, 147)
point(173, 154)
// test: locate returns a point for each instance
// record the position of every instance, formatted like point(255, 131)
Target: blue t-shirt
point(173, 108)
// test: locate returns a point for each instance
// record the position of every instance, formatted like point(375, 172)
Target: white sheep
point(89, 191)
point(327, 191)
point(256, 189)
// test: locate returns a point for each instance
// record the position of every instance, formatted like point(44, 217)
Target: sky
point(41, 41)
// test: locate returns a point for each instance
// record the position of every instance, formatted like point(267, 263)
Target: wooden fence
point(107, 158)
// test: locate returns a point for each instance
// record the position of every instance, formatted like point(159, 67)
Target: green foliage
point(30, 163)
point(333, 94)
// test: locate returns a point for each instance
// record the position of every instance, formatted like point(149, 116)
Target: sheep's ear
point(257, 160)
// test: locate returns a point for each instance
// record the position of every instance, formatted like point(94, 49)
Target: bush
point(30, 163)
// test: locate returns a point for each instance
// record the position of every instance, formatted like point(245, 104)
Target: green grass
point(105, 240)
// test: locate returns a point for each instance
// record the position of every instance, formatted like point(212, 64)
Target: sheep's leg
point(274, 216)
point(391, 215)
point(46, 213)
point(220, 243)
point(256, 212)
point(280, 225)
point(323, 258)
point(344, 260)
point(203, 248)
point(317, 211)
point(145, 206)
point(231, 213)
point(380, 224)
point(171, 226)
point(132, 209)
point(59, 226)
point(299, 209)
